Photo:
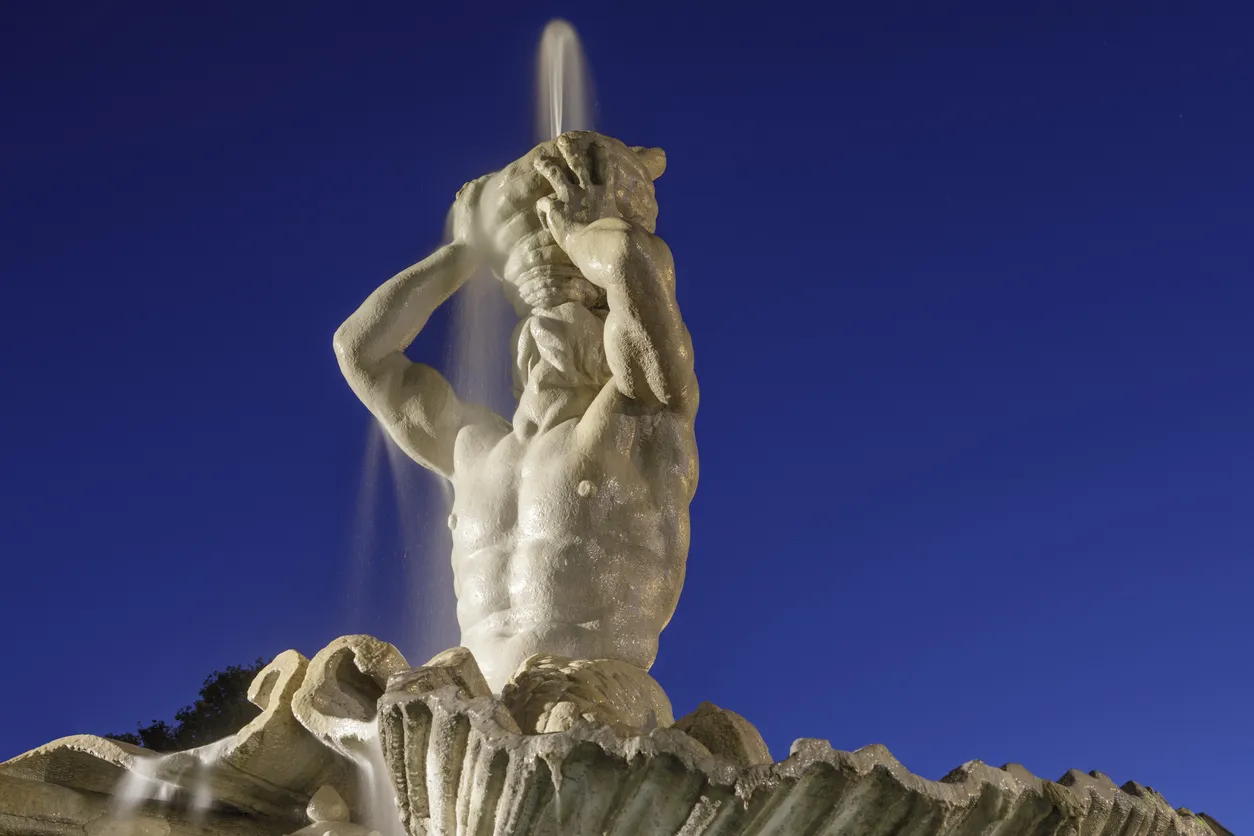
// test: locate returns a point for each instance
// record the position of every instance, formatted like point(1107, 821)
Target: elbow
point(347, 338)
point(644, 263)
point(340, 344)
point(617, 248)
point(643, 245)
point(346, 347)
point(354, 368)
point(632, 246)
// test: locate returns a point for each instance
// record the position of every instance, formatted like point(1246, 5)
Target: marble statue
point(570, 533)
point(570, 521)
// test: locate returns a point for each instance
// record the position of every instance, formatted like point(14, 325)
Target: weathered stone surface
point(726, 734)
point(326, 806)
point(1219, 829)
point(329, 816)
point(335, 828)
point(79, 762)
point(551, 693)
point(337, 700)
point(275, 747)
point(274, 750)
point(459, 763)
point(97, 765)
point(268, 769)
point(460, 766)
point(423, 743)
point(38, 808)
point(455, 667)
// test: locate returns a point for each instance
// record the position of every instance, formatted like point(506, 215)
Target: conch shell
point(506, 225)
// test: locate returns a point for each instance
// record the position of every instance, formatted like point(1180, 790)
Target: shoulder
point(614, 413)
point(479, 437)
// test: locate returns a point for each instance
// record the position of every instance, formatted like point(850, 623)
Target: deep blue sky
point(970, 286)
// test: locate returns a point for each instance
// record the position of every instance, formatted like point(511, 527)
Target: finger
point(577, 157)
point(549, 216)
point(552, 170)
point(549, 211)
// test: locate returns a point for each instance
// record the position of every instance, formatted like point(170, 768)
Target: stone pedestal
point(569, 748)
point(461, 765)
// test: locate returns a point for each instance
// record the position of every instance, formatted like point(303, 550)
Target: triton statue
point(570, 535)
point(570, 521)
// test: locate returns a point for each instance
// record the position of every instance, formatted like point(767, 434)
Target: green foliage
point(222, 710)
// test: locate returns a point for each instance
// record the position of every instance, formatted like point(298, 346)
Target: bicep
point(417, 406)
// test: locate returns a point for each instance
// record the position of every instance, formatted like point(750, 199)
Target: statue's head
point(521, 247)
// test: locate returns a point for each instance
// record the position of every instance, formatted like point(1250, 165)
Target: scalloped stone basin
point(461, 766)
point(464, 762)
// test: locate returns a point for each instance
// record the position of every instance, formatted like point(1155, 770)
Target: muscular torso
point(571, 540)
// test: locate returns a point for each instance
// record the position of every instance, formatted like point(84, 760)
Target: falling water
point(421, 504)
point(180, 780)
point(364, 544)
point(400, 578)
point(479, 361)
point(139, 785)
point(563, 83)
point(479, 364)
point(376, 801)
point(480, 355)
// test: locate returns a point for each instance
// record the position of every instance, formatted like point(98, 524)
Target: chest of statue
point(553, 485)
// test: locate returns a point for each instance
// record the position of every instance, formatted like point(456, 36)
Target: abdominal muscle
point(560, 547)
point(578, 597)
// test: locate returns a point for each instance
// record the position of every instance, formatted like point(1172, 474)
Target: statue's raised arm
point(603, 216)
point(413, 401)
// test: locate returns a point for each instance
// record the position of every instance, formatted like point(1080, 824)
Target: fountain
point(569, 521)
